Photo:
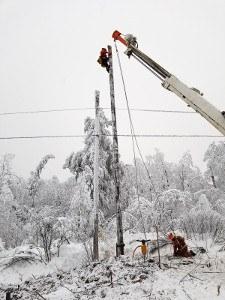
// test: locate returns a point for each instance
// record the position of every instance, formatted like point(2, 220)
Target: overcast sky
point(48, 54)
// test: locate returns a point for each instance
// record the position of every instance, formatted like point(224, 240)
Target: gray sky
point(48, 54)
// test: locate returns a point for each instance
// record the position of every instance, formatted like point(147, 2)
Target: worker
point(103, 59)
point(179, 246)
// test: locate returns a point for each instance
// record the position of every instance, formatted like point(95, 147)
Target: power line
point(119, 135)
point(44, 111)
point(92, 108)
point(161, 111)
point(40, 137)
point(172, 135)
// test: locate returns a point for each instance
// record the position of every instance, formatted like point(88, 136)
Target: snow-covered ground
point(201, 277)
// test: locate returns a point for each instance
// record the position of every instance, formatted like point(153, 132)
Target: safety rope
point(134, 140)
point(131, 123)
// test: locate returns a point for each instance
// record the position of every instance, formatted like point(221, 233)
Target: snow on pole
point(96, 178)
point(120, 244)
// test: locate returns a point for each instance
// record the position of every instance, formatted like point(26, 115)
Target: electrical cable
point(161, 111)
point(110, 135)
point(172, 135)
point(40, 137)
point(44, 111)
point(92, 108)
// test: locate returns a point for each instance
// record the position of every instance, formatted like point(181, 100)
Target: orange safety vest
point(103, 53)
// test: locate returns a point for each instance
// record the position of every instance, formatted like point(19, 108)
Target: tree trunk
point(212, 177)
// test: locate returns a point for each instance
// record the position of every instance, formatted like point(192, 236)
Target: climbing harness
point(100, 61)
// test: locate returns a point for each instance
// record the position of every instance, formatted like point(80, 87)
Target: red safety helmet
point(170, 236)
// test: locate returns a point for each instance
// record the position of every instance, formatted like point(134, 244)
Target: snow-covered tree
point(81, 210)
point(169, 207)
point(138, 216)
point(202, 221)
point(143, 180)
point(8, 220)
point(34, 181)
point(127, 185)
point(160, 170)
point(9, 231)
point(203, 204)
point(211, 193)
point(82, 162)
point(187, 176)
point(40, 229)
point(63, 231)
point(215, 159)
point(220, 206)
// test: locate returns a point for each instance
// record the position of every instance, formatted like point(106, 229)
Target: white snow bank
point(71, 257)
point(198, 278)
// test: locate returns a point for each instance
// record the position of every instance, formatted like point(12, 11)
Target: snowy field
point(65, 277)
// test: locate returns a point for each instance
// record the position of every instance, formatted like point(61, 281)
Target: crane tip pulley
point(128, 40)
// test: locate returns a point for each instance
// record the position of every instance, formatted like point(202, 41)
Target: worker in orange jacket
point(104, 59)
point(180, 248)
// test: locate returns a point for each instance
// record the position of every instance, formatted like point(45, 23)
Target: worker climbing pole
point(105, 60)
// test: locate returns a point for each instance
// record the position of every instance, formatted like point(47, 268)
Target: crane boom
point(191, 96)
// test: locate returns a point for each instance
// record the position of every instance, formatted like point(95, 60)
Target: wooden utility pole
point(8, 296)
point(96, 178)
point(157, 234)
point(120, 244)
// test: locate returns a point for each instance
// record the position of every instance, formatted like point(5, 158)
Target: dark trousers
point(105, 62)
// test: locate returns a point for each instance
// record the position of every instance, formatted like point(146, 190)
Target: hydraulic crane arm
point(191, 96)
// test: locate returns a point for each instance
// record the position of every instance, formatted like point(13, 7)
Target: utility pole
point(157, 234)
point(96, 178)
point(120, 244)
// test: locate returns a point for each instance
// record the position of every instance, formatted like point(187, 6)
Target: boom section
point(132, 50)
point(197, 102)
